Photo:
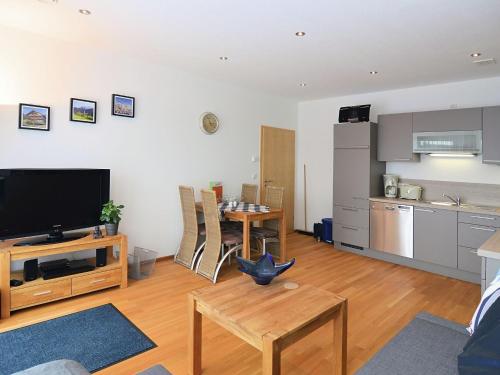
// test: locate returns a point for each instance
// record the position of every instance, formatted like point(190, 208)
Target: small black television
point(50, 201)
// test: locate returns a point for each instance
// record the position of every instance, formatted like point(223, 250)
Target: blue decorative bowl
point(264, 270)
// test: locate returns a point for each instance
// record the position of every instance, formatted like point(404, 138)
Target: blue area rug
point(427, 345)
point(96, 338)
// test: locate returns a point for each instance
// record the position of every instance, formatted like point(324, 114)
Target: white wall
point(315, 139)
point(150, 155)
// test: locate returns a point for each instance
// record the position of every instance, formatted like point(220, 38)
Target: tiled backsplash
point(482, 194)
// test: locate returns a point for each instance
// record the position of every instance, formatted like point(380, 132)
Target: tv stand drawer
point(34, 295)
point(96, 281)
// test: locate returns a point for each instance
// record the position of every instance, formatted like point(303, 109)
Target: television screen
point(39, 201)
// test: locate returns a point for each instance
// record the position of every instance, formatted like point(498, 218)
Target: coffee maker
point(391, 185)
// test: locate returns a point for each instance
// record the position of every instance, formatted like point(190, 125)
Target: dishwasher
point(391, 228)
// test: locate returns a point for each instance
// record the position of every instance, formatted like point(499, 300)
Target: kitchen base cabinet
point(351, 235)
point(435, 236)
point(468, 260)
point(489, 271)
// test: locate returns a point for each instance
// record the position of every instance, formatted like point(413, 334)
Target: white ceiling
point(410, 43)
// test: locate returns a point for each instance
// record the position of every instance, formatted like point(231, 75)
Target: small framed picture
point(83, 111)
point(123, 106)
point(34, 117)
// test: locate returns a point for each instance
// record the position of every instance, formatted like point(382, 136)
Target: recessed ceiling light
point(302, 84)
point(373, 72)
point(224, 58)
point(85, 12)
point(48, 1)
point(300, 33)
point(475, 54)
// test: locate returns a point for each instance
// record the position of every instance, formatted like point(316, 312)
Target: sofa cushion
point(59, 367)
point(481, 354)
point(490, 295)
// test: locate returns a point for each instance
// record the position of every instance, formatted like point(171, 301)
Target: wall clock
point(209, 123)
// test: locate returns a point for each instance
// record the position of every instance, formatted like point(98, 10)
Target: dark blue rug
point(97, 338)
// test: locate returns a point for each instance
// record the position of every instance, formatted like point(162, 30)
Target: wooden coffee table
point(270, 318)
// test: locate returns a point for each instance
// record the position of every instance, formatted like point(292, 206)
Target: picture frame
point(34, 117)
point(82, 110)
point(122, 105)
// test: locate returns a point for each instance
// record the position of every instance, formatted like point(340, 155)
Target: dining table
point(252, 213)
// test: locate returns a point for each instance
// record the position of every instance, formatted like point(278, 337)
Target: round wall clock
point(209, 123)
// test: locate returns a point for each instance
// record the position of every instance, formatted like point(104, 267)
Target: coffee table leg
point(194, 340)
point(340, 340)
point(271, 356)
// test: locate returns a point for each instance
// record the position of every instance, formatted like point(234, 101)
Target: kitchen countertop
point(491, 248)
point(471, 208)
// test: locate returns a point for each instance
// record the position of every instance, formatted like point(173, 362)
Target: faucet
point(457, 199)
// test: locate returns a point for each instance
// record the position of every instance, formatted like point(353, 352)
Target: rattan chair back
point(212, 251)
point(190, 232)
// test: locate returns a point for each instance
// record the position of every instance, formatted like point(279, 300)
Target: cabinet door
point(472, 235)
point(351, 177)
point(435, 236)
point(449, 120)
point(351, 235)
point(491, 269)
point(491, 135)
point(468, 260)
point(395, 137)
point(352, 135)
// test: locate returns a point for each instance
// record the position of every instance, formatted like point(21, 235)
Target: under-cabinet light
point(452, 155)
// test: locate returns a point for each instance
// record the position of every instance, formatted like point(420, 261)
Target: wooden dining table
point(248, 217)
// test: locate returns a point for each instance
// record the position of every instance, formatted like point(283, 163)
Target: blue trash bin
point(327, 230)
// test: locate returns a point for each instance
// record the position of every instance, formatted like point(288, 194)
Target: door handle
point(482, 217)
point(473, 252)
point(350, 209)
point(266, 181)
point(423, 210)
point(97, 281)
point(42, 293)
point(484, 229)
point(389, 208)
point(350, 228)
point(402, 159)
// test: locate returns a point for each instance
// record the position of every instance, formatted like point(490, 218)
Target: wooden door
point(277, 166)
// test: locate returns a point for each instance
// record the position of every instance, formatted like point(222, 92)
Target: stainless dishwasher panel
point(391, 228)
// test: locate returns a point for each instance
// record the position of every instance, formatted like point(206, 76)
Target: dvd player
point(65, 269)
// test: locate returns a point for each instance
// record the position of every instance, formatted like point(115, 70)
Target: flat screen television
point(50, 201)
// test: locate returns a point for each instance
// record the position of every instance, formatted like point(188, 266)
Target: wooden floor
point(383, 298)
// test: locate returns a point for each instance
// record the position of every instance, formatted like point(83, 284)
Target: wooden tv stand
point(41, 291)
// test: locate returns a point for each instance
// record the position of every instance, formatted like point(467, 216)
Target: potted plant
point(111, 216)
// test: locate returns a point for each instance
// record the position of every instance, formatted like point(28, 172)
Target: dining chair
point(269, 231)
point(214, 254)
point(191, 244)
point(249, 193)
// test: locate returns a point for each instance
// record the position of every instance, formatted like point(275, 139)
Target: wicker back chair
point(249, 193)
point(185, 253)
point(273, 199)
point(213, 255)
point(270, 228)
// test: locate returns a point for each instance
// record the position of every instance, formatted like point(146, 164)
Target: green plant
point(111, 213)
